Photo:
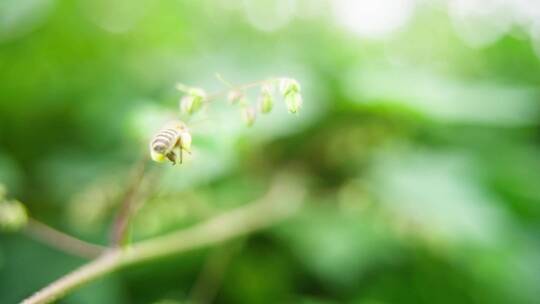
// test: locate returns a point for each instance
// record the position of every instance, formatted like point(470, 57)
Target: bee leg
point(177, 156)
point(172, 157)
point(180, 152)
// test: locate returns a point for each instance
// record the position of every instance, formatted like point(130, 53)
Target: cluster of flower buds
point(290, 89)
point(192, 101)
point(13, 216)
point(265, 104)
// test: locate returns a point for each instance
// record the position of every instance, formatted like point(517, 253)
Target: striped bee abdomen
point(169, 142)
point(165, 140)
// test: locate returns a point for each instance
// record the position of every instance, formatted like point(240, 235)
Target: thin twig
point(120, 226)
point(242, 87)
point(211, 97)
point(225, 82)
point(282, 201)
point(210, 279)
point(149, 190)
point(62, 241)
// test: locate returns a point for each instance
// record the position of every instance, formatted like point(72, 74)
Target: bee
point(170, 142)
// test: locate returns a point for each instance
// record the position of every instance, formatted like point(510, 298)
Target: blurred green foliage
point(421, 153)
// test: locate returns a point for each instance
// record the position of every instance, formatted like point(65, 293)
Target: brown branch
point(119, 230)
point(56, 239)
point(283, 200)
point(211, 277)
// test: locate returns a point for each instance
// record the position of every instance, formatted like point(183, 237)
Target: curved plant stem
point(242, 87)
point(211, 276)
point(56, 239)
point(231, 87)
point(283, 200)
point(119, 233)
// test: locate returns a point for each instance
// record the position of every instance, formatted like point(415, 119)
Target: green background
point(420, 150)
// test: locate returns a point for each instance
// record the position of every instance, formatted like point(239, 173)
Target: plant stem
point(121, 222)
point(210, 279)
point(62, 241)
point(283, 200)
point(242, 87)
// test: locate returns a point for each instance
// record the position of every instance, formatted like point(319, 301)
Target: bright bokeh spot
point(373, 19)
point(479, 22)
point(269, 16)
point(18, 17)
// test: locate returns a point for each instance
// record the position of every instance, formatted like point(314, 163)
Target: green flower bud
point(248, 115)
point(186, 104)
point(197, 92)
point(266, 100)
point(294, 102)
point(288, 86)
point(234, 96)
point(193, 101)
point(190, 104)
point(13, 216)
point(266, 104)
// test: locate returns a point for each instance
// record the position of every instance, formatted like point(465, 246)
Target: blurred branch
point(283, 200)
point(210, 279)
point(120, 226)
point(56, 239)
point(240, 87)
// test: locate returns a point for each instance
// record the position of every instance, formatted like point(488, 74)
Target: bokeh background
point(418, 140)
